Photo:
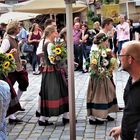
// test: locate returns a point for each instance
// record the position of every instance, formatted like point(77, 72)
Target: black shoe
point(110, 119)
point(14, 121)
point(65, 121)
point(37, 114)
point(121, 108)
point(84, 71)
point(96, 122)
point(46, 123)
point(22, 109)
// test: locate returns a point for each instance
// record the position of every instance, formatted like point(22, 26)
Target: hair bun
point(99, 38)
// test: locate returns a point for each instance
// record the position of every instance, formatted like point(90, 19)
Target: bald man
point(130, 60)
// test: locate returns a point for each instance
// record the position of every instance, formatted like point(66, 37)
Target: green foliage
point(90, 14)
point(95, 18)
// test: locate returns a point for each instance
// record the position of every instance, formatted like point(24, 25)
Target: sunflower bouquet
point(102, 63)
point(7, 64)
point(59, 53)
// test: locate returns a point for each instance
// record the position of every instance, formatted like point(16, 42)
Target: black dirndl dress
point(54, 89)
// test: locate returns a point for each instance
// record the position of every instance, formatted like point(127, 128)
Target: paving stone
point(30, 130)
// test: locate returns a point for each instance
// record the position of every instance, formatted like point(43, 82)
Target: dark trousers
point(78, 55)
point(86, 52)
point(127, 135)
point(120, 43)
point(21, 77)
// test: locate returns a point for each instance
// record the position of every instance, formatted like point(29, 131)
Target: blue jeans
point(5, 97)
point(120, 43)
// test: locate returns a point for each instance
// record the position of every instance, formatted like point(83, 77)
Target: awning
point(20, 16)
point(47, 7)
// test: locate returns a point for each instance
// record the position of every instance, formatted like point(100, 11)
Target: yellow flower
point(108, 50)
point(113, 61)
point(58, 51)
point(10, 56)
point(94, 61)
point(51, 58)
point(6, 65)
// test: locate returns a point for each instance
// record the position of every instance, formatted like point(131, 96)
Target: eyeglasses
point(119, 56)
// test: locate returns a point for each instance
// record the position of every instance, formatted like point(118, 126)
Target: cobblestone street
point(30, 130)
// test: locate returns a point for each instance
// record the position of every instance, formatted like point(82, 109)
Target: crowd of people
point(98, 47)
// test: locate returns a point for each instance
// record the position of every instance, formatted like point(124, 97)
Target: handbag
point(28, 48)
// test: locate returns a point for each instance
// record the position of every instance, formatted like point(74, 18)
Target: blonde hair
point(12, 27)
point(97, 23)
point(49, 29)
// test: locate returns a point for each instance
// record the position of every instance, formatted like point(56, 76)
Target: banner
point(110, 11)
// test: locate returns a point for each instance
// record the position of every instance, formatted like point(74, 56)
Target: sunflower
point(94, 61)
point(108, 50)
point(6, 64)
point(58, 51)
point(51, 58)
point(10, 56)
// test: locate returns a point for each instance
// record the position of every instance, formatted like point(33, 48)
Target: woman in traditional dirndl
point(101, 95)
point(54, 87)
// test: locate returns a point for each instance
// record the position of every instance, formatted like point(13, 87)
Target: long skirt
point(54, 92)
point(101, 97)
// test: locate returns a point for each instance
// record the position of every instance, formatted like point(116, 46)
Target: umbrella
point(47, 7)
point(20, 16)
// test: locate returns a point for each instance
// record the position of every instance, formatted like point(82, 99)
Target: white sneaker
point(34, 72)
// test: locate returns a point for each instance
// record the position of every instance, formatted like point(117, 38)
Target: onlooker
point(137, 32)
point(23, 34)
point(20, 75)
point(130, 22)
point(77, 19)
point(78, 49)
point(3, 29)
point(130, 62)
point(86, 45)
point(34, 38)
point(40, 46)
point(123, 32)
point(115, 47)
point(5, 97)
point(22, 38)
point(96, 27)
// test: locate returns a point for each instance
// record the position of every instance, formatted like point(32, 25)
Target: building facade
point(131, 8)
